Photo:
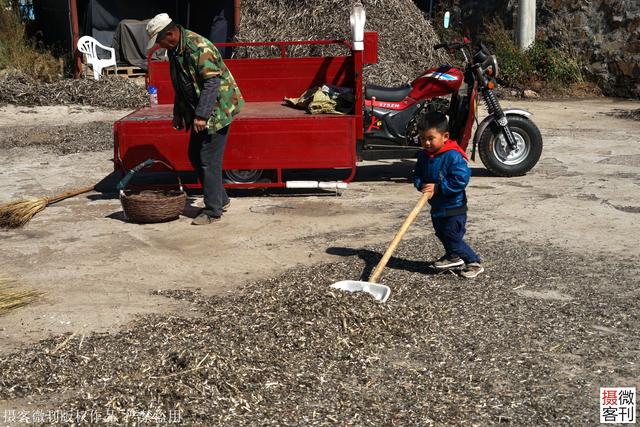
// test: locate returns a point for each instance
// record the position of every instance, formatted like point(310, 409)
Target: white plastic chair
point(88, 45)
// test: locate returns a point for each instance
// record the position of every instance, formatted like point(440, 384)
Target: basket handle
point(129, 176)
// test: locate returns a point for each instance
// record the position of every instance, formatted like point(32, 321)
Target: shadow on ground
point(392, 170)
point(372, 258)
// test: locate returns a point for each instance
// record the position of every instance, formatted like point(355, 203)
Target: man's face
point(432, 140)
point(169, 39)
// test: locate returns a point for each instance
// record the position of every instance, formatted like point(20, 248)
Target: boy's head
point(434, 131)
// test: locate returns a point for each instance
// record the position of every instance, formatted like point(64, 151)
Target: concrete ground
point(97, 271)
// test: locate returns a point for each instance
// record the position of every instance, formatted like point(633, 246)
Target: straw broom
point(11, 298)
point(16, 214)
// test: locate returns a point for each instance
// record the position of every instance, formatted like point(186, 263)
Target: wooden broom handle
point(396, 241)
point(68, 194)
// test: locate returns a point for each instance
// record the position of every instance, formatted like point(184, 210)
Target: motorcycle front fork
point(494, 108)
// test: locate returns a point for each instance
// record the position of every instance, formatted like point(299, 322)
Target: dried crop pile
point(529, 343)
point(113, 93)
point(94, 136)
point(406, 38)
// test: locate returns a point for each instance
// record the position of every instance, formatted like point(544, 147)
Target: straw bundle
point(12, 297)
point(406, 38)
point(17, 214)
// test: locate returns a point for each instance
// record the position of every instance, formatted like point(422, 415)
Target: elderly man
point(207, 98)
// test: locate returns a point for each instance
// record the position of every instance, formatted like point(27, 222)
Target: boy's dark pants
point(450, 230)
point(205, 153)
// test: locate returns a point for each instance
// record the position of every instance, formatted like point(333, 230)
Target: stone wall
point(604, 34)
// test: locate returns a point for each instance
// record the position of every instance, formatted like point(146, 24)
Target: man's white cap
point(157, 24)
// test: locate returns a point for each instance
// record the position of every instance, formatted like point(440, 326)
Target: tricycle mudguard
point(487, 120)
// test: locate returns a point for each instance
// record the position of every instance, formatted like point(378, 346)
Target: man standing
point(206, 99)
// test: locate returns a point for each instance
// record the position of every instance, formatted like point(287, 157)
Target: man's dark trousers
point(450, 230)
point(205, 153)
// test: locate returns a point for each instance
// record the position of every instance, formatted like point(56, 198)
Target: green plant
point(18, 52)
point(514, 66)
point(553, 65)
point(539, 62)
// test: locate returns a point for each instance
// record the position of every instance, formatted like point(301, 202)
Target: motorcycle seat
point(389, 94)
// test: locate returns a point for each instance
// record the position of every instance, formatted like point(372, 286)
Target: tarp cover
point(130, 42)
point(103, 16)
point(210, 18)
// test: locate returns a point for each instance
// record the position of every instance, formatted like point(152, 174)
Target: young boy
point(442, 169)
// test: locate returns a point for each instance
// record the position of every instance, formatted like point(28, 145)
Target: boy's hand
point(428, 188)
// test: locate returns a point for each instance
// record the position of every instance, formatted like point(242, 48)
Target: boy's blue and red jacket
point(449, 170)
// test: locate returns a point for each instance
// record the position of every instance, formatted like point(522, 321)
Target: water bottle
point(153, 96)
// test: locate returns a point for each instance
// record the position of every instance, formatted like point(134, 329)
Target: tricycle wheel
point(499, 159)
point(243, 176)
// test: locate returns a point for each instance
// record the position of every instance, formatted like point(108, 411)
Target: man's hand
point(199, 124)
point(428, 188)
point(178, 123)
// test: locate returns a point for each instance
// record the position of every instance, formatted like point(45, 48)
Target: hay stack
point(406, 38)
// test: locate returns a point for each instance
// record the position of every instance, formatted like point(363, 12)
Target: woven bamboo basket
point(151, 206)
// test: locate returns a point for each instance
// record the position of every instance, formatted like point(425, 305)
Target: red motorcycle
point(509, 143)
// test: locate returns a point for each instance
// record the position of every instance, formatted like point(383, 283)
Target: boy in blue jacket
point(442, 169)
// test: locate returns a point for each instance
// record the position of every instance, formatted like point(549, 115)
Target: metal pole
point(526, 23)
point(188, 25)
point(75, 32)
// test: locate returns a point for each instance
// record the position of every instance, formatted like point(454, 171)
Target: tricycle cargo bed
point(266, 135)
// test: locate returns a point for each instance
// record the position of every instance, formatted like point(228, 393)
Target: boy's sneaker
point(447, 262)
point(471, 270)
point(226, 206)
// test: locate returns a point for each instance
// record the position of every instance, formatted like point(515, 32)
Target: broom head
point(12, 297)
point(17, 214)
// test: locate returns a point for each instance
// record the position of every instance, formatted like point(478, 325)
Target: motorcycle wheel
point(501, 161)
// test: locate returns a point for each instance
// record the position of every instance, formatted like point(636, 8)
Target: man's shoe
point(204, 219)
point(226, 206)
point(471, 270)
point(447, 262)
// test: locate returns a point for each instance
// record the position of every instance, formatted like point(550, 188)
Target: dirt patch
point(310, 209)
point(622, 160)
point(582, 90)
point(627, 114)
point(627, 209)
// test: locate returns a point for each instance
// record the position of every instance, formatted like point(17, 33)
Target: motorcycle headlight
point(490, 66)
